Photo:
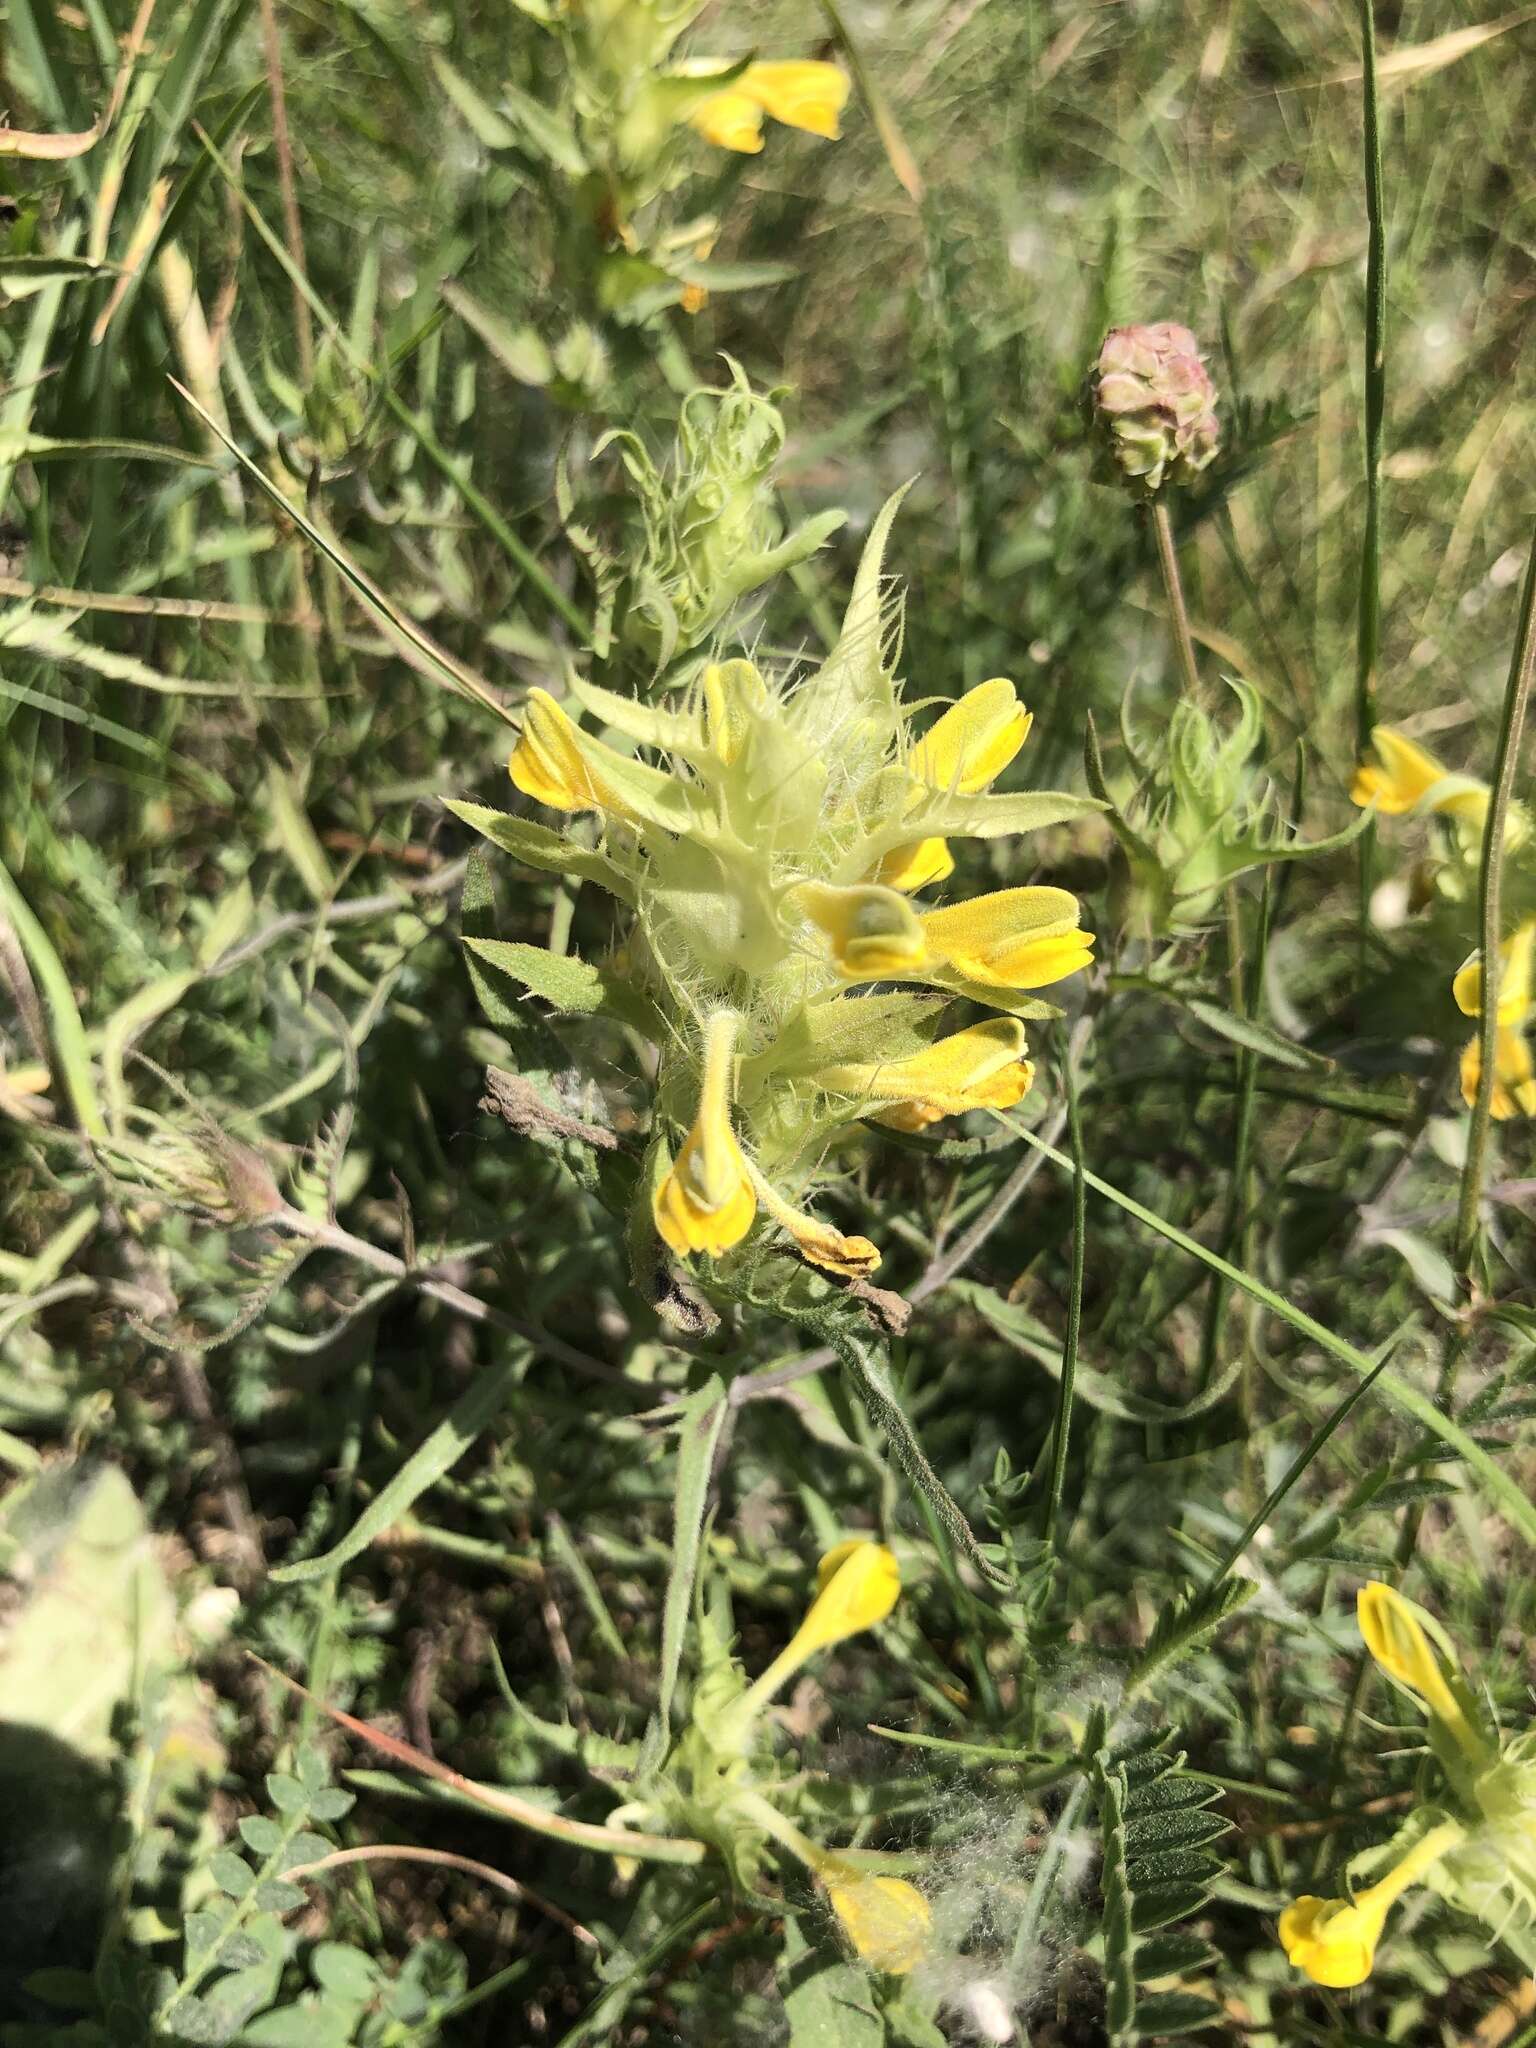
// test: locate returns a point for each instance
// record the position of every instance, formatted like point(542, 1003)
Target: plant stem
point(1178, 611)
point(1368, 629)
point(1490, 879)
point(1068, 1379)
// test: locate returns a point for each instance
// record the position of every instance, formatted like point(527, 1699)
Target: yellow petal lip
point(913, 866)
point(730, 120)
point(1517, 958)
point(548, 763)
point(1404, 775)
point(1514, 1074)
point(874, 932)
point(1402, 1638)
point(974, 740)
point(802, 92)
point(982, 1067)
point(887, 1920)
point(857, 1584)
point(1331, 1941)
point(1012, 938)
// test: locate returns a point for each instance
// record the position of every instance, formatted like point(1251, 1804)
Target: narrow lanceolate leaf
point(439, 1452)
point(539, 847)
point(574, 987)
point(872, 1378)
point(702, 1418)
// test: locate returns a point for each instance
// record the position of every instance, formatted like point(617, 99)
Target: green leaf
point(537, 847)
point(286, 1793)
point(260, 1832)
point(1249, 1033)
point(827, 2003)
point(1185, 1624)
point(702, 1418)
point(1176, 2012)
point(572, 986)
point(471, 1414)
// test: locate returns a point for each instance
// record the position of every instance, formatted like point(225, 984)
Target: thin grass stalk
point(1178, 610)
point(1490, 883)
point(1062, 1433)
point(1368, 625)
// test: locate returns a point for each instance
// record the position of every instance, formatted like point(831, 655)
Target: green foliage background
point(225, 849)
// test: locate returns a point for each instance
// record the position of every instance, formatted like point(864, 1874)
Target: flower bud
point(1154, 401)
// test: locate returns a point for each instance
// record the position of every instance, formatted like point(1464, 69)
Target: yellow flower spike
point(887, 1920)
point(549, 764)
point(912, 867)
point(1405, 776)
point(1012, 938)
point(1395, 1633)
point(961, 752)
point(800, 91)
point(730, 120)
point(973, 742)
point(857, 1586)
point(874, 932)
point(1333, 1941)
point(706, 1202)
point(1514, 1075)
point(982, 1067)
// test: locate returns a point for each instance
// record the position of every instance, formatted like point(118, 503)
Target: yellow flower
point(1012, 938)
point(887, 1920)
point(1400, 1636)
point(730, 120)
point(800, 92)
point(875, 934)
point(1517, 956)
point(548, 762)
point(960, 754)
point(1334, 1940)
point(706, 1201)
point(1514, 1071)
point(857, 1584)
point(1514, 1075)
point(851, 1258)
point(1408, 774)
point(982, 1067)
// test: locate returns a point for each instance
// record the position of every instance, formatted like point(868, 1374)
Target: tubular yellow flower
point(973, 742)
point(799, 91)
point(1012, 938)
point(1517, 956)
point(964, 750)
point(1395, 1633)
point(730, 120)
point(1514, 1075)
point(1333, 1941)
point(915, 865)
point(858, 1584)
point(887, 1920)
point(1406, 775)
point(982, 1067)
point(874, 933)
point(707, 1201)
point(851, 1258)
point(1514, 1071)
point(548, 763)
